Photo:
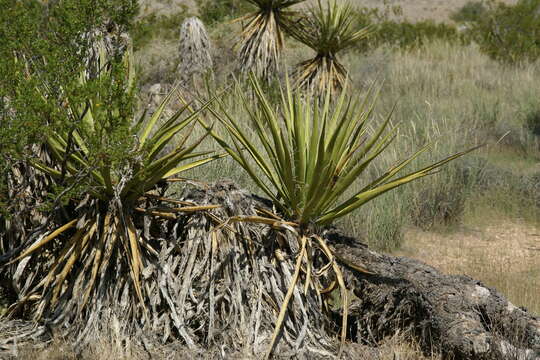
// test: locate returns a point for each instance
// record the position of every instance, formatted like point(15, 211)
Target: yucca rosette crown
point(308, 153)
point(262, 37)
point(99, 243)
point(328, 30)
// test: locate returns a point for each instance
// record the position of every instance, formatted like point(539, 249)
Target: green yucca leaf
point(156, 116)
point(312, 152)
point(379, 187)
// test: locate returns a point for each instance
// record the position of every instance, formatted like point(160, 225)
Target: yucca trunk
point(209, 278)
point(261, 45)
point(321, 72)
point(95, 249)
point(261, 40)
point(195, 48)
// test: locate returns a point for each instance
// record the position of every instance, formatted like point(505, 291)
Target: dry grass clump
point(458, 96)
point(195, 49)
point(157, 63)
point(397, 347)
point(113, 345)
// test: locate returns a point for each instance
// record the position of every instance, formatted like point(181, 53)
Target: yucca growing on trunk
point(262, 38)
point(328, 30)
point(99, 249)
point(305, 155)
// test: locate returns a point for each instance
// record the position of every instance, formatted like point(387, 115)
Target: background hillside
point(413, 10)
point(438, 10)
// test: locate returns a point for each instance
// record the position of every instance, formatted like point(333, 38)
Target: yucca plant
point(99, 239)
point(195, 48)
point(306, 156)
point(328, 30)
point(262, 37)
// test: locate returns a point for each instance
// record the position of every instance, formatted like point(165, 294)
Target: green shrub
point(164, 27)
point(471, 11)
point(48, 46)
point(212, 12)
point(532, 121)
point(408, 35)
point(510, 34)
point(403, 34)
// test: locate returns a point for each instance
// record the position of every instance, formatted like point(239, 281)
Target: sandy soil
point(504, 254)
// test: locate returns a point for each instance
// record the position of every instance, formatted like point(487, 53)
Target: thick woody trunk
point(455, 315)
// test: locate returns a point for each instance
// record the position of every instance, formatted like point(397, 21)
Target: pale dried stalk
point(195, 49)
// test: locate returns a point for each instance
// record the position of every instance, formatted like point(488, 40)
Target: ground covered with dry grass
point(504, 254)
point(393, 348)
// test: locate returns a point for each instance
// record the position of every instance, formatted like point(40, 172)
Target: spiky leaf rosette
point(328, 30)
point(312, 152)
point(28, 189)
point(99, 249)
point(195, 49)
point(262, 38)
point(306, 155)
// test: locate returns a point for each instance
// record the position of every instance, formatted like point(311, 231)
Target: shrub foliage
point(402, 33)
point(510, 34)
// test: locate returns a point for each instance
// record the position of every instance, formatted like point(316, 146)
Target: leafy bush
point(49, 46)
point(471, 11)
point(160, 27)
point(403, 34)
point(213, 12)
point(532, 121)
point(510, 34)
point(408, 35)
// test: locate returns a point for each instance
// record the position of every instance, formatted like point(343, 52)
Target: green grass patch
point(154, 27)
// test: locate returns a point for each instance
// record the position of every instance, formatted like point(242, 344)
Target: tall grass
point(458, 96)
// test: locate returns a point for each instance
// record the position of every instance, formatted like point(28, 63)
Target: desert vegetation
point(118, 231)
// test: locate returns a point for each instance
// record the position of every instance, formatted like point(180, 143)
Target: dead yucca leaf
point(194, 49)
point(327, 29)
point(262, 37)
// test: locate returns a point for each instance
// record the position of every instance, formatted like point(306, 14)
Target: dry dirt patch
point(504, 255)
